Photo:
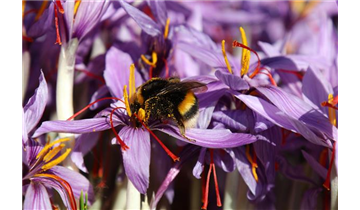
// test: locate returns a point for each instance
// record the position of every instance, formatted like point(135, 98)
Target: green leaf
point(82, 201)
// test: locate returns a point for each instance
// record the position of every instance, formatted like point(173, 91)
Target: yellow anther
point(23, 7)
point(76, 6)
point(166, 31)
point(225, 56)
point(48, 146)
point(332, 112)
point(56, 161)
point(153, 57)
point(253, 164)
point(126, 100)
point(141, 114)
point(245, 57)
point(132, 80)
point(53, 152)
point(41, 10)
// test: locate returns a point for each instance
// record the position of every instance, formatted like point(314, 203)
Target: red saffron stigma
point(331, 105)
point(59, 6)
point(206, 195)
point(284, 136)
point(151, 72)
point(89, 74)
point(218, 198)
point(257, 69)
point(206, 191)
point(327, 181)
point(65, 185)
point(166, 69)
point(85, 108)
point(121, 142)
point(26, 38)
point(168, 152)
point(58, 39)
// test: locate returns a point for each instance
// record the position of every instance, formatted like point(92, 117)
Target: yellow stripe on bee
point(187, 103)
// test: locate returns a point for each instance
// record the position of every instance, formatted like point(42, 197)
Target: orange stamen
point(168, 152)
point(257, 69)
point(252, 161)
point(327, 181)
point(41, 10)
point(166, 30)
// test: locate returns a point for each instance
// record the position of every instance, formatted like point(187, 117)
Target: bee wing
point(183, 86)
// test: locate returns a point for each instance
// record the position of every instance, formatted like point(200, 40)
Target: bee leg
point(181, 126)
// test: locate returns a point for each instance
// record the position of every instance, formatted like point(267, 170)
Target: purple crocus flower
point(137, 139)
point(40, 170)
point(41, 173)
point(156, 37)
point(34, 109)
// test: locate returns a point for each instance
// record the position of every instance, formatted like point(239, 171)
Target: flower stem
point(133, 199)
point(25, 71)
point(65, 87)
point(65, 80)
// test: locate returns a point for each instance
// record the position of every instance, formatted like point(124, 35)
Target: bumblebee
point(165, 99)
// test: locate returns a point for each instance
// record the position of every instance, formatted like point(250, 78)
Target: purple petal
point(76, 126)
point(37, 197)
point(187, 153)
point(100, 93)
point(207, 103)
point(234, 82)
point(318, 168)
point(84, 143)
point(117, 71)
point(244, 168)
point(210, 57)
point(238, 120)
point(77, 181)
point(310, 198)
point(52, 183)
point(313, 80)
point(291, 83)
point(293, 172)
point(137, 157)
point(35, 107)
point(219, 138)
point(25, 134)
point(276, 116)
point(199, 166)
point(269, 49)
point(44, 23)
point(298, 109)
point(224, 160)
point(144, 21)
point(283, 62)
point(88, 15)
point(158, 9)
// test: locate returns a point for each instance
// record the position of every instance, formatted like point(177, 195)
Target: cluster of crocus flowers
point(266, 124)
